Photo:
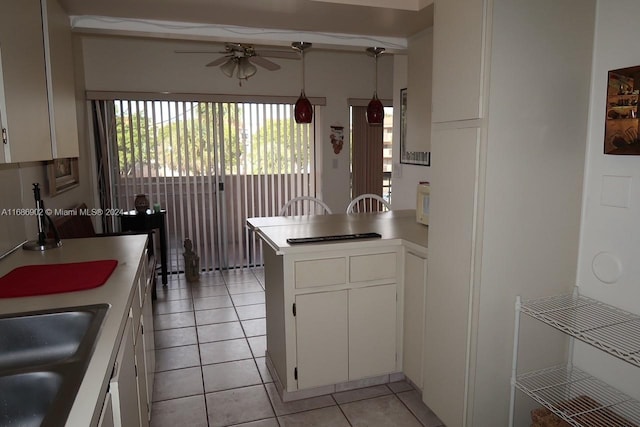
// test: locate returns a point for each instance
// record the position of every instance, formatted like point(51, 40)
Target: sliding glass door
point(211, 165)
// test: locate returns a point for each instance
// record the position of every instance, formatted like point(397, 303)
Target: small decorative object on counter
point(156, 208)
point(191, 262)
point(141, 203)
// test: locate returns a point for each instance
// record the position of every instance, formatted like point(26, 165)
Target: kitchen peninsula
point(343, 313)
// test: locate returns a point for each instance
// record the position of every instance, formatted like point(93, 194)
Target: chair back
point(368, 203)
point(304, 205)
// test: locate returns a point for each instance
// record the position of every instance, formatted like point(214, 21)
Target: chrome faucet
point(42, 243)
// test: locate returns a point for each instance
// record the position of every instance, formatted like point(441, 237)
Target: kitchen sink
point(27, 398)
point(43, 358)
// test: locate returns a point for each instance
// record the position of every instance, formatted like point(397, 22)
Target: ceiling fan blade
point(198, 51)
point(264, 63)
point(279, 54)
point(218, 61)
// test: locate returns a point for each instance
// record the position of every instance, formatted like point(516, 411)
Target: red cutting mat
point(44, 279)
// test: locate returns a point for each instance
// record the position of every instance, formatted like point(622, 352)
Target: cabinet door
point(415, 277)
point(457, 59)
point(372, 331)
point(141, 378)
point(322, 340)
point(25, 89)
point(149, 342)
point(106, 417)
point(61, 90)
point(123, 386)
point(449, 274)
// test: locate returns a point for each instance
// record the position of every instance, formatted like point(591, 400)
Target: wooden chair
point(368, 203)
point(304, 205)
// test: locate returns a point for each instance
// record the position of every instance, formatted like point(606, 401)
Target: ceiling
point(330, 20)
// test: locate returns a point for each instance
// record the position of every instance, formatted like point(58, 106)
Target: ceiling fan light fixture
point(245, 68)
point(375, 109)
point(229, 67)
point(303, 110)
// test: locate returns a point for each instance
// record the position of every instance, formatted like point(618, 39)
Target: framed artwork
point(62, 175)
point(422, 158)
point(622, 121)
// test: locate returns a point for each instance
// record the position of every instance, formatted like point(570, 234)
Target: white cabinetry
point(106, 417)
point(458, 49)
point(123, 387)
point(131, 386)
point(500, 222)
point(322, 335)
point(415, 279)
point(332, 316)
point(25, 122)
point(60, 81)
point(39, 121)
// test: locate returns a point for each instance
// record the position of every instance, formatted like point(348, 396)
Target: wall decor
point(422, 158)
point(337, 138)
point(621, 120)
point(62, 175)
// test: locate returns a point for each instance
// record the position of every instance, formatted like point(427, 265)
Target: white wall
point(611, 207)
point(129, 64)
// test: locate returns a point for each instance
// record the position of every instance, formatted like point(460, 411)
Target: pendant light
point(303, 111)
point(375, 110)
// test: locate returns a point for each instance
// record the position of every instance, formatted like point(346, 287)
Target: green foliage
point(169, 138)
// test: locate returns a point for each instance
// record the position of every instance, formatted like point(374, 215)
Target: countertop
point(399, 226)
point(117, 292)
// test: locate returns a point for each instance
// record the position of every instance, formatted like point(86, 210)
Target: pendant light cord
point(302, 53)
point(376, 74)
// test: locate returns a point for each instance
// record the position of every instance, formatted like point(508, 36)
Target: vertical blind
point(211, 165)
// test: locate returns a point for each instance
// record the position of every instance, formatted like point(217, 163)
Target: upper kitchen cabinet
point(38, 114)
point(457, 60)
point(61, 94)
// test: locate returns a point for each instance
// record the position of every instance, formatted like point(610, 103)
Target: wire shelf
point(610, 329)
point(580, 399)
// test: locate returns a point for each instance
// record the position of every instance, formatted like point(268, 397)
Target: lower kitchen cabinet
point(333, 316)
point(415, 279)
point(106, 416)
point(345, 335)
point(322, 336)
point(123, 385)
point(372, 331)
point(131, 386)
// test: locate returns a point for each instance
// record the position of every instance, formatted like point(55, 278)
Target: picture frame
point(622, 121)
point(421, 158)
point(62, 175)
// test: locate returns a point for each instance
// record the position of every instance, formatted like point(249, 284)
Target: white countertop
point(397, 225)
point(117, 292)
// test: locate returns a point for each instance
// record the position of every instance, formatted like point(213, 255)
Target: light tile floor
point(211, 371)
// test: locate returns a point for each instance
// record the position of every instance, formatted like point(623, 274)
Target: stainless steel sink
point(43, 358)
point(26, 398)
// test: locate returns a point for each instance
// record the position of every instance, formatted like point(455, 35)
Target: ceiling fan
point(240, 59)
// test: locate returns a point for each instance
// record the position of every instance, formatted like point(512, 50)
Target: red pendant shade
point(303, 111)
point(375, 111)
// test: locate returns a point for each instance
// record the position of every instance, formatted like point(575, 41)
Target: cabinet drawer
point(364, 268)
point(320, 272)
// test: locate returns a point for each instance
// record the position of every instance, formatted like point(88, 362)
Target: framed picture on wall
point(622, 123)
point(62, 175)
point(422, 158)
